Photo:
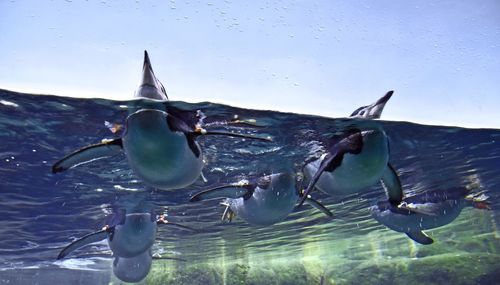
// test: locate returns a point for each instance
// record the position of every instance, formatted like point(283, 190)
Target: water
point(42, 212)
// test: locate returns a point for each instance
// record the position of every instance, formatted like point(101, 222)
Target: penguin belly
point(447, 213)
point(136, 235)
point(267, 206)
point(356, 171)
point(160, 157)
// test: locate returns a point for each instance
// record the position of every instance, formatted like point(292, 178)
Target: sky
point(441, 58)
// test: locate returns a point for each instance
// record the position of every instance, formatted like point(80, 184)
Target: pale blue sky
point(442, 58)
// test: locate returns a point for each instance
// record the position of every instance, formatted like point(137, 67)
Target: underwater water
point(42, 212)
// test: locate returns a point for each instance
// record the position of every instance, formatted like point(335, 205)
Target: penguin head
point(150, 87)
point(374, 110)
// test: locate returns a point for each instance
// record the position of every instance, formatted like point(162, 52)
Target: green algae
point(463, 268)
point(466, 251)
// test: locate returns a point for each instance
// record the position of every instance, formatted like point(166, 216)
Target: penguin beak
point(375, 110)
point(381, 102)
point(147, 62)
point(148, 76)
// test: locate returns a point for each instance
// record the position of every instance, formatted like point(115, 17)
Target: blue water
point(42, 212)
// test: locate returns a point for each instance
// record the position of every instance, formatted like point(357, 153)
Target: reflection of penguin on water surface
point(262, 201)
point(127, 235)
point(130, 238)
point(427, 210)
point(356, 160)
point(160, 145)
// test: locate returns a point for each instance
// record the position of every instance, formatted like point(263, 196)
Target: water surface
point(42, 212)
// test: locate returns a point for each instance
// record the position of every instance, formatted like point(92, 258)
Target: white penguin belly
point(357, 171)
point(161, 157)
point(266, 206)
point(406, 223)
point(134, 237)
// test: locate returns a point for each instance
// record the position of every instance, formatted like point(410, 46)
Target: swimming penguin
point(263, 201)
point(128, 235)
point(355, 160)
point(160, 145)
point(427, 210)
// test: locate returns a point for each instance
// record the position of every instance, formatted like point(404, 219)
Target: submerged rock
point(449, 268)
point(439, 269)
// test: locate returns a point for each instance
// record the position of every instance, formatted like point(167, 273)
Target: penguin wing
point(352, 143)
point(232, 191)
point(189, 118)
point(392, 185)
point(177, 122)
point(420, 237)
point(88, 239)
point(88, 154)
point(316, 204)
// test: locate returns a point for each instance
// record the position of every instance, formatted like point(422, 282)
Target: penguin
point(160, 145)
point(263, 201)
point(428, 210)
point(355, 160)
point(128, 235)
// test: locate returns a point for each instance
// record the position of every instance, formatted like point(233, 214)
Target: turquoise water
point(43, 212)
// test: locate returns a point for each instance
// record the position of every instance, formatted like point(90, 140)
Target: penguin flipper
point(88, 154)
point(392, 185)
point(351, 143)
point(232, 191)
point(87, 239)
point(420, 237)
point(316, 204)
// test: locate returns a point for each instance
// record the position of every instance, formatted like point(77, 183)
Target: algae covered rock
point(193, 274)
point(439, 269)
point(237, 274)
